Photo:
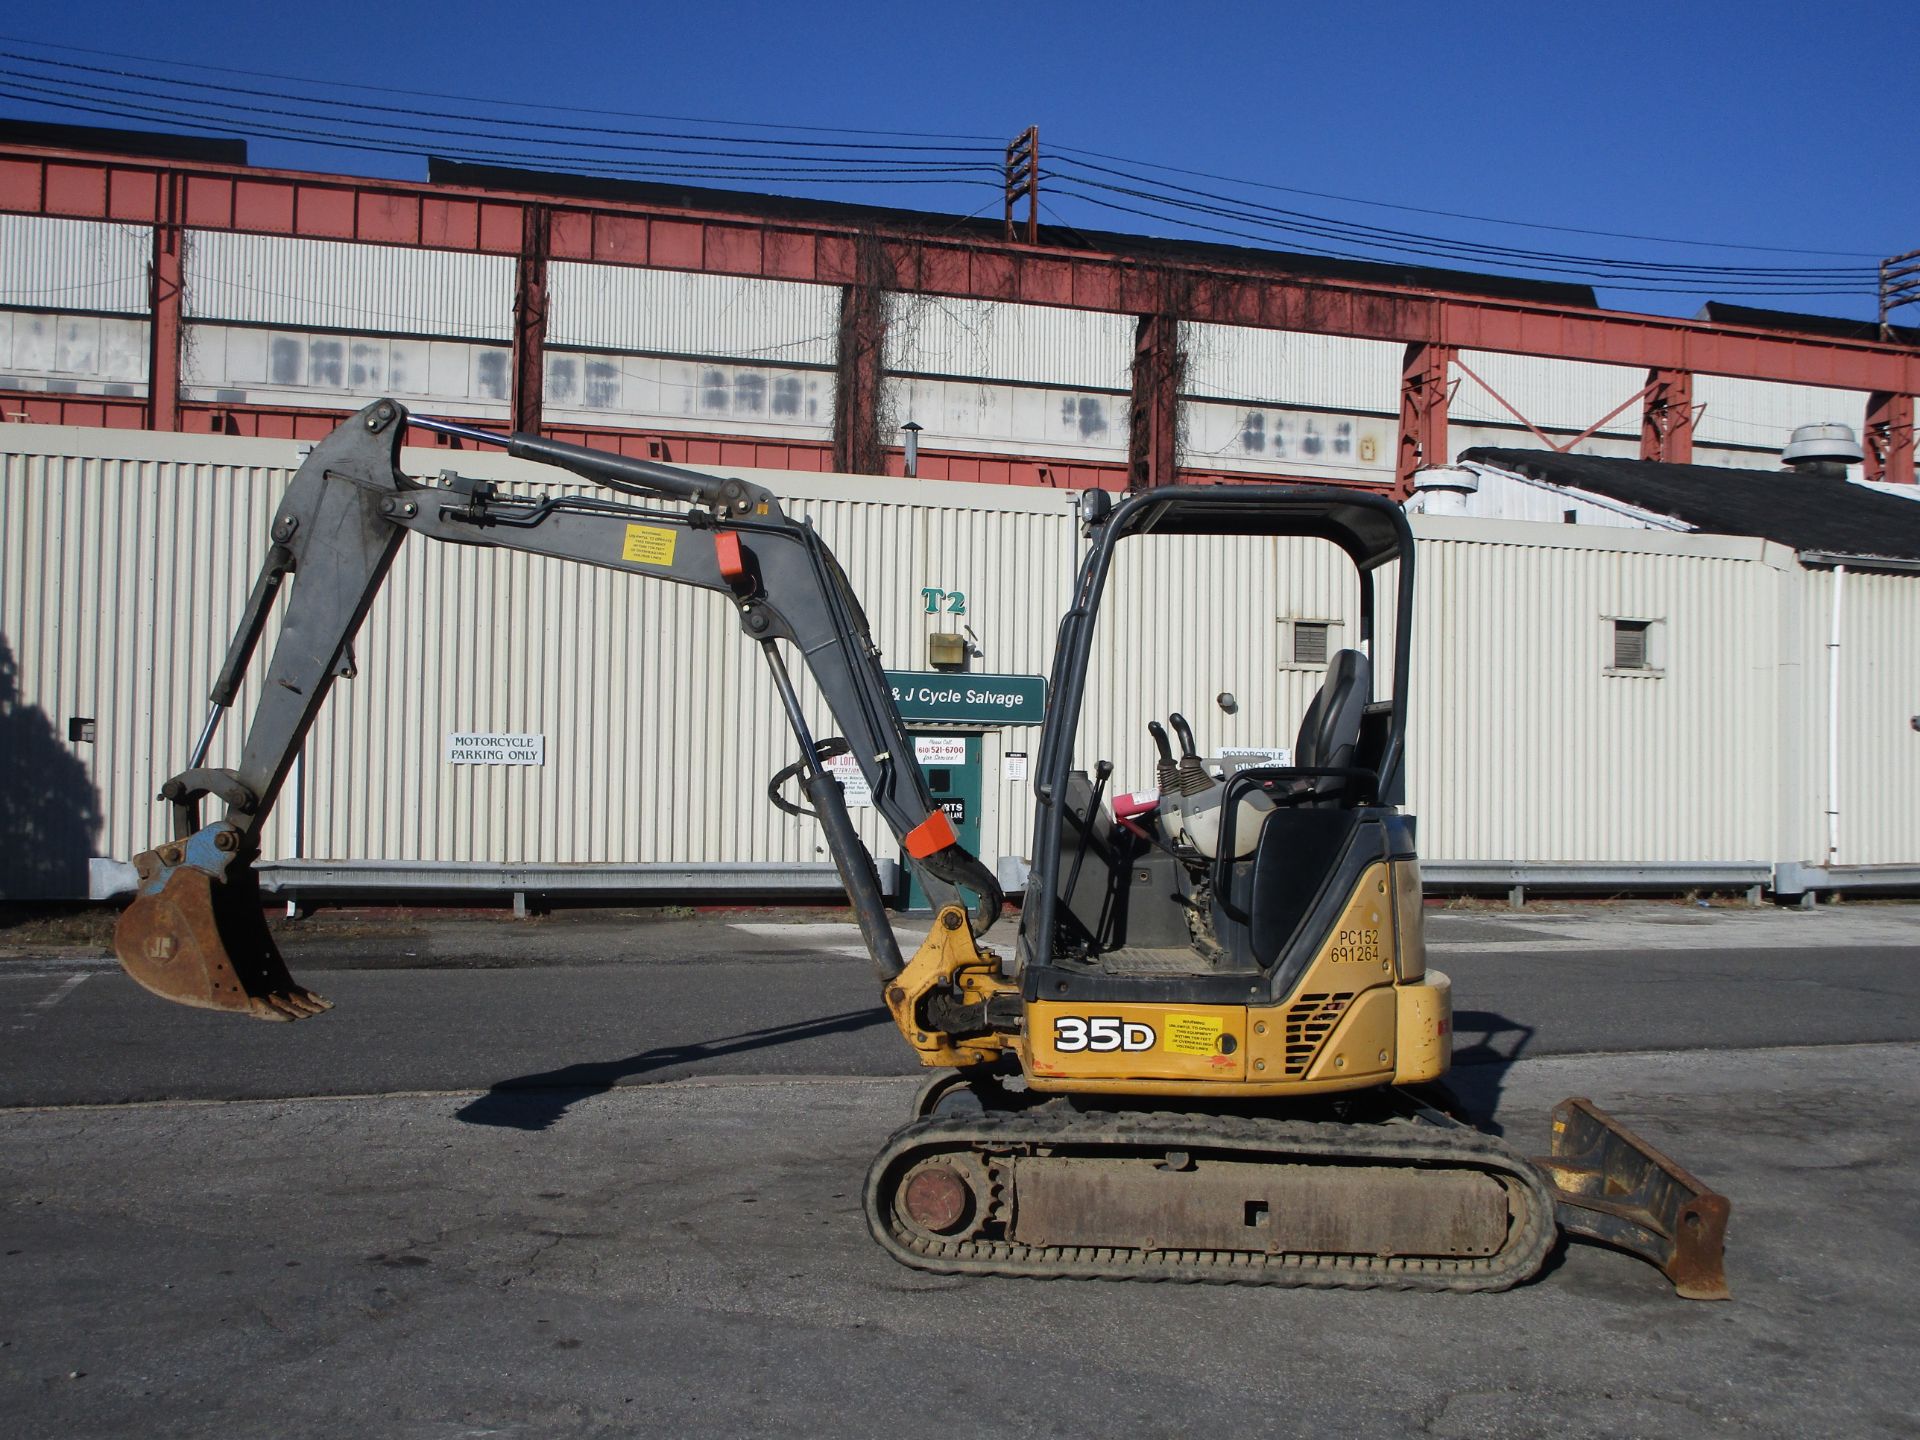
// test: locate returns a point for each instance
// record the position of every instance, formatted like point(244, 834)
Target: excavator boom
point(194, 932)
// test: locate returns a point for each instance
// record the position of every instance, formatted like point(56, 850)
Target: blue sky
point(1756, 124)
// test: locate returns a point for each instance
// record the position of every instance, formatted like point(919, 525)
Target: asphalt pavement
point(600, 1176)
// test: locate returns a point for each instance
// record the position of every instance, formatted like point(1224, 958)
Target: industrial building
point(173, 324)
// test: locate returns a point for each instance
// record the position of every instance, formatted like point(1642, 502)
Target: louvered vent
point(1309, 1021)
point(1630, 644)
point(1310, 642)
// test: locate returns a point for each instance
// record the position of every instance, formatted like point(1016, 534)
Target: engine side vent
point(1310, 1019)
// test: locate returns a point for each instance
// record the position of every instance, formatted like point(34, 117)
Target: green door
point(951, 764)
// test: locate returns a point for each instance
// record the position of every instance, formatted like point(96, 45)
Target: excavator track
point(1055, 1192)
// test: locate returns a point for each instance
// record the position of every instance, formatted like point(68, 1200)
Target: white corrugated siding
point(1564, 395)
point(341, 285)
point(125, 559)
point(97, 265)
point(119, 583)
point(1879, 799)
point(1765, 413)
point(671, 312)
point(1185, 619)
point(935, 336)
point(1525, 748)
point(1291, 367)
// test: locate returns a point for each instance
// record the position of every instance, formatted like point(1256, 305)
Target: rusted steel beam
point(166, 296)
point(859, 366)
point(1425, 388)
point(1153, 419)
point(530, 319)
point(1889, 436)
point(35, 180)
point(1666, 420)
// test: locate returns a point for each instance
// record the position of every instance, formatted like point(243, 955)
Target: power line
point(618, 152)
point(385, 129)
point(414, 113)
point(495, 101)
point(1374, 234)
point(389, 144)
point(1460, 215)
point(1745, 288)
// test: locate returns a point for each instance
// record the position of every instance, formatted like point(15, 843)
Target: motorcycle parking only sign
point(473, 747)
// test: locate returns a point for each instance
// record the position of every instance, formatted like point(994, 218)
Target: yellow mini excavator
point(1208, 1053)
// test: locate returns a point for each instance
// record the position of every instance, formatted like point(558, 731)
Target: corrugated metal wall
point(670, 312)
point(1764, 413)
point(125, 558)
point(1001, 340)
point(1528, 746)
point(1554, 394)
point(1291, 367)
point(84, 265)
point(119, 582)
point(992, 376)
point(1879, 796)
point(338, 285)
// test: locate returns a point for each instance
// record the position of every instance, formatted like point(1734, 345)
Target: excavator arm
point(195, 932)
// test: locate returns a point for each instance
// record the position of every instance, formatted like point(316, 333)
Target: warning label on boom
point(648, 545)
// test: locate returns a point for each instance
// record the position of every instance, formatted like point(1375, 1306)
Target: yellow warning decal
point(648, 545)
point(1192, 1034)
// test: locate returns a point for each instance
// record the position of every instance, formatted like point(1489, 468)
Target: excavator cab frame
point(1372, 533)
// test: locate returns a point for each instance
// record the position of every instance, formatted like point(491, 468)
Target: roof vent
point(1444, 489)
point(1822, 450)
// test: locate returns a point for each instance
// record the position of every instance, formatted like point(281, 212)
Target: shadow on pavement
point(1485, 1044)
point(537, 1101)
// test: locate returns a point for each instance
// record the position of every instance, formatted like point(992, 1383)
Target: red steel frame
point(174, 195)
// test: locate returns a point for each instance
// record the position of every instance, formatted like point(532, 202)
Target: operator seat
point(1330, 730)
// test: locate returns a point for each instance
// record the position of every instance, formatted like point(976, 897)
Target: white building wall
point(341, 285)
point(96, 266)
point(1763, 414)
point(1879, 751)
point(1245, 365)
point(932, 335)
point(87, 354)
point(258, 365)
point(125, 559)
point(670, 312)
point(1556, 395)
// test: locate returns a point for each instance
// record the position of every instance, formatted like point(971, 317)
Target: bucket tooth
point(201, 941)
point(1612, 1186)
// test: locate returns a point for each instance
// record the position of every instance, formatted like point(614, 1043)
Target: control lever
point(1164, 770)
point(1101, 771)
point(1191, 777)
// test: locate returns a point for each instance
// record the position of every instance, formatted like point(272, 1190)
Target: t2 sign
point(954, 601)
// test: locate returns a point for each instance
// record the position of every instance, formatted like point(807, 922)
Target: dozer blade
point(1610, 1185)
point(196, 940)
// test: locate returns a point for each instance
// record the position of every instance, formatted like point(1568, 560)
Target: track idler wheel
point(197, 940)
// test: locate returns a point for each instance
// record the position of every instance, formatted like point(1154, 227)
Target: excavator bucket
point(1610, 1185)
point(201, 941)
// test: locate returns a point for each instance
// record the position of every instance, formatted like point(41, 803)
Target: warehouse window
point(1637, 646)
